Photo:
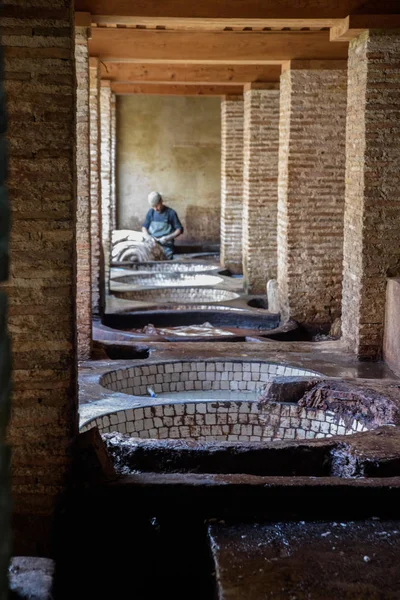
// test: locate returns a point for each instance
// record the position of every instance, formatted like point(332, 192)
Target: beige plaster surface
point(171, 145)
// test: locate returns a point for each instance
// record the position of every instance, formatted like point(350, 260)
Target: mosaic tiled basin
point(191, 295)
point(226, 377)
point(227, 421)
point(171, 267)
point(167, 280)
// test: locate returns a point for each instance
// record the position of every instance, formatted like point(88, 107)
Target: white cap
point(154, 198)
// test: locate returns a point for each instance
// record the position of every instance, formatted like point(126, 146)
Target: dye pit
point(199, 435)
point(168, 279)
point(172, 295)
point(166, 267)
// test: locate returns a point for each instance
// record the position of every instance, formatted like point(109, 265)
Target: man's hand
point(163, 239)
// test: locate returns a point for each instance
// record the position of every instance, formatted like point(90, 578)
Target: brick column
point(113, 202)
point(232, 110)
point(311, 194)
point(95, 190)
point(83, 233)
point(372, 214)
point(260, 192)
point(40, 85)
point(105, 152)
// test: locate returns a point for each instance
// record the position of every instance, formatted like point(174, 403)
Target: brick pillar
point(105, 152)
point(260, 192)
point(113, 203)
point(83, 233)
point(95, 190)
point(5, 363)
point(232, 182)
point(372, 213)
point(311, 194)
point(40, 86)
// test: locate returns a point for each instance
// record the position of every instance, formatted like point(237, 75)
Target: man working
point(162, 223)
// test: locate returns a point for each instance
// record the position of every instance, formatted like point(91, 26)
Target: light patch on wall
point(172, 145)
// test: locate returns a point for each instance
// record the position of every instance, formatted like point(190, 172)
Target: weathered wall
point(172, 145)
point(97, 263)
point(260, 187)
point(5, 359)
point(372, 211)
point(105, 178)
point(232, 112)
point(83, 251)
point(311, 194)
point(40, 85)
point(391, 345)
point(113, 203)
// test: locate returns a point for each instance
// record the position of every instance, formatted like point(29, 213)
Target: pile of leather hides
point(132, 246)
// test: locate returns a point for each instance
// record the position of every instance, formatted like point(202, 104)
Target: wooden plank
point(259, 85)
point(314, 65)
point(207, 24)
point(83, 19)
point(127, 89)
point(213, 47)
point(181, 73)
point(353, 25)
point(237, 9)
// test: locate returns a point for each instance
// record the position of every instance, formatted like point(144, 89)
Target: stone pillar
point(311, 194)
point(40, 86)
point(5, 364)
point(95, 190)
point(372, 213)
point(113, 162)
point(260, 190)
point(232, 183)
point(83, 233)
point(105, 152)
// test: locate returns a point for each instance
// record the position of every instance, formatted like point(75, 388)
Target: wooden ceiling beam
point(314, 65)
point(238, 9)
point(184, 74)
point(207, 24)
point(353, 25)
point(128, 89)
point(225, 47)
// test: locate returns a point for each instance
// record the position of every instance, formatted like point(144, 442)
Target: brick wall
point(39, 79)
point(260, 195)
point(105, 154)
point(311, 194)
point(95, 189)
point(5, 359)
point(113, 202)
point(232, 109)
point(83, 234)
point(372, 214)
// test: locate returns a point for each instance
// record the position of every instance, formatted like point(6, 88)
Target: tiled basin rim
point(172, 267)
point(179, 295)
point(178, 376)
point(227, 421)
point(167, 279)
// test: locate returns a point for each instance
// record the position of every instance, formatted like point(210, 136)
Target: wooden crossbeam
point(314, 65)
point(207, 24)
point(212, 47)
point(237, 9)
point(353, 25)
point(128, 89)
point(184, 74)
